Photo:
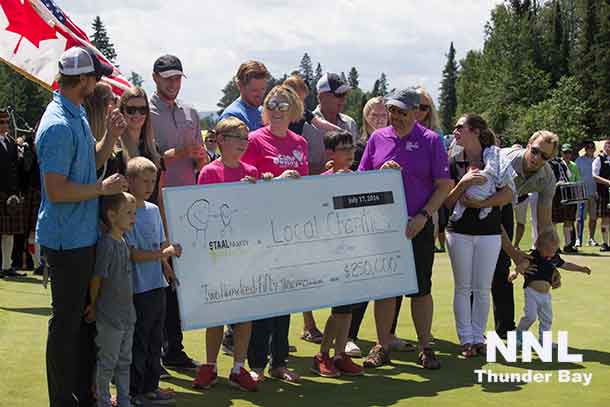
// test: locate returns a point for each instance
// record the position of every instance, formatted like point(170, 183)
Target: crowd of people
point(99, 222)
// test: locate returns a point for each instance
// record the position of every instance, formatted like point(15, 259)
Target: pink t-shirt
point(216, 172)
point(276, 154)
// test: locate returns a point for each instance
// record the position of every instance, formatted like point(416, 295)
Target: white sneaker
point(592, 242)
point(577, 243)
point(352, 350)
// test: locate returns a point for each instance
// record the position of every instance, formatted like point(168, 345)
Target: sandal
point(480, 348)
point(258, 375)
point(312, 335)
point(428, 360)
point(283, 373)
point(468, 350)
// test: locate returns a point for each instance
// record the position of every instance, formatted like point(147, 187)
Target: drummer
point(567, 156)
point(601, 175)
point(565, 214)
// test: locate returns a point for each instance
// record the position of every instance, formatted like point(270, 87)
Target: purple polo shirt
point(420, 154)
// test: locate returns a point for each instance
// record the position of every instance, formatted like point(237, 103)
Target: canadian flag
point(34, 34)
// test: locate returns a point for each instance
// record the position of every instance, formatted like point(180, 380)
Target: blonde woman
point(374, 116)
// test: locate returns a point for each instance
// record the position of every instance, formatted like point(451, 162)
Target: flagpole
point(27, 75)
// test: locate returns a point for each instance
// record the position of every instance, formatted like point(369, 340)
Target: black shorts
point(342, 309)
point(423, 252)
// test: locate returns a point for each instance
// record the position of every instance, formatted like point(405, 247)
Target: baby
point(498, 173)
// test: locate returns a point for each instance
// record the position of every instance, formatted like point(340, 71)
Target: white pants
point(7, 251)
point(534, 205)
point(537, 306)
point(473, 260)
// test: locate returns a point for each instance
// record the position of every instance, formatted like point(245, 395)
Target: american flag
point(34, 34)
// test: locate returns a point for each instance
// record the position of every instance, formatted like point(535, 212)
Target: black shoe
point(12, 273)
point(605, 248)
point(570, 249)
point(39, 271)
point(180, 360)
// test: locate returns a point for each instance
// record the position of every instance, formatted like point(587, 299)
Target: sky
point(407, 39)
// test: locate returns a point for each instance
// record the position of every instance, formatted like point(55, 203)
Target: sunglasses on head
point(539, 153)
point(275, 105)
point(143, 110)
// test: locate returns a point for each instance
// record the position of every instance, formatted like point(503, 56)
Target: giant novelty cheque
point(253, 251)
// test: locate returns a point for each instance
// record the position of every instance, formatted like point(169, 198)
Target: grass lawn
point(580, 307)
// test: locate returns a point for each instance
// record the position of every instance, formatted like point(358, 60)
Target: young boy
point(340, 150)
point(538, 283)
point(232, 139)
point(149, 248)
point(111, 304)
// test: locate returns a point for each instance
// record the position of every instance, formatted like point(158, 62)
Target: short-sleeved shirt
point(585, 168)
point(147, 234)
point(544, 268)
point(574, 173)
point(115, 300)
point(420, 154)
point(251, 116)
point(542, 181)
point(65, 146)
point(176, 125)
point(268, 153)
point(470, 223)
point(216, 172)
point(343, 121)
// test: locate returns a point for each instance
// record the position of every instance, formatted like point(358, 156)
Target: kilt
point(31, 204)
point(563, 213)
point(602, 206)
point(13, 224)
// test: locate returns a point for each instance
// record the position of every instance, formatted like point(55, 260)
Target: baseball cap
point(331, 82)
point(167, 66)
point(566, 147)
point(79, 61)
point(405, 99)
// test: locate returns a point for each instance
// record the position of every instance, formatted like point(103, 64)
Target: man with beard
point(67, 228)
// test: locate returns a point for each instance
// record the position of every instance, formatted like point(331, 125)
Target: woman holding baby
point(482, 185)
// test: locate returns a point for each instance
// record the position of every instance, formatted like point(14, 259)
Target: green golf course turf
point(580, 307)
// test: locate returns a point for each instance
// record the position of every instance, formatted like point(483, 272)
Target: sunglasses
point(424, 108)
point(281, 106)
point(459, 127)
point(143, 110)
point(397, 111)
point(539, 153)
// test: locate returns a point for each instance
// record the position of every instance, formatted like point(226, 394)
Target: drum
point(572, 193)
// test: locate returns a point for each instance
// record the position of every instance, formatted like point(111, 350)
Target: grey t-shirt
point(115, 300)
point(175, 127)
point(344, 121)
point(543, 181)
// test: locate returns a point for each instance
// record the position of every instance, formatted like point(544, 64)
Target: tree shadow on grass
point(42, 311)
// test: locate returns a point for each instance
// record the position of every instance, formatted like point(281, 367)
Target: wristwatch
point(424, 212)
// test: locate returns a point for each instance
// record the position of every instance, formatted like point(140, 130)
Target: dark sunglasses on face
point(424, 108)
point(275, 105)
point(539, 153)
point(143, 110)
point(459, 127)
point(397, 111)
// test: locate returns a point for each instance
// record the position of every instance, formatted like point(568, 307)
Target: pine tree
point(352, 78)
point(135, 79)
point(101, 41)
point(318, 74)
point(343, 77)
point(384, 86)
point(448, 96)
point(229, 93)
point(306, 73)
point(586, 65)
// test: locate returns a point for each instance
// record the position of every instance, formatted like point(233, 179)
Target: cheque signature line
point(245, 297)
point(313, 263)
point(331, 238)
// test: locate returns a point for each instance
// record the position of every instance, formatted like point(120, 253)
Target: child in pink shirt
point(232, 138)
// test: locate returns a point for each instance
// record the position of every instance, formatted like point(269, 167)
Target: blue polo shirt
point(252, 116)
point(65, 145)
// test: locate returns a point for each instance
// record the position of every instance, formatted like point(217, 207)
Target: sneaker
point(206, 377)
point(352, 350)
point(377, 356)
point(180, 360)
point(346, 366)
point(592, 242)
point(154, 398)
point(605, 248)
point(164, 374)
point(570, 249)
point(12, 272)
point(243, 380)
point(577, 243)
point(323, 366)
